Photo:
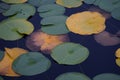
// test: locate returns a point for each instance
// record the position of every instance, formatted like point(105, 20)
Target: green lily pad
point(4, 7)
point(70, 53)
point(13, 29)
point(14, 1)
point(51, 10)
point(38, 3)
point(20, 11)
point(116, 13)
point(108, 5)
point(107, 76)
point(54, 25)
point(69, 3)
point(32, 63)
point(72, 76)
point(89, 1)
point(1, 55)
point(1, 78)
point(96, 2)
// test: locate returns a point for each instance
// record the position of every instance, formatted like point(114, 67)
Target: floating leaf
point(97, 2)
point(117, 53)
point(89, 1)
point(115, 13)
point(20, 11)
point(13, 29)
point(51, 10)
point(107, 76)
point(4, 7)
point(86, 23)
point(108, 5)
point(14, 1)
point(106, 39)
point(54, 25)
point(70, 53)
point(41, 41)
point(69, 3)
point(31, 64)
point(38, 3)
point(72, 76)
point(1, 55)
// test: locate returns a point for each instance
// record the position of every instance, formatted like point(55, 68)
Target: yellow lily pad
point(117, 53)
point(118, 62)
point(14, 1)
point(86, 23)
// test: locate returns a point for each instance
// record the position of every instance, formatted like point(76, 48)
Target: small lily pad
point(20, 11)
point(38, 3)
point(4, 7)
point(89, 1)
point(13, 29)
point(51, 10)
point(14, 1)
point(1, 55)
point(108, 5)
point(70, 53)
point(54, 25)
point(30, 64)
point(107, 76)
point(69, 3)
point(116, 13)
point(72, 76)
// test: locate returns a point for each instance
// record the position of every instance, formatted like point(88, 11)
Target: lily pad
point(51, 10)
point(70, 53)
point(32, 63)
point(116, 13)
point(108, 5)
point(69, 3)
point(107, 76)
point(1, 78)
point(4, 7)
point(14, 1)
point(38, 3)
point(1, 55)
point(97, 2)
point(89, 1)
point(13, 29)
point(20, 11)
point(54, 25)
point(72, 76)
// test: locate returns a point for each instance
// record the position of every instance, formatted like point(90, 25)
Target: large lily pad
point(69, 3)
point(1, 55)
point(38, 3)
point(20, 11)
point(116, 13)
point(89, 1)
point(4, 7)
point(13, 29)
point(14, 1)
point(31, 64)
point(54, 25)
point(70, 53)
point(51, 10)
point(72, 76)
point(107, 76)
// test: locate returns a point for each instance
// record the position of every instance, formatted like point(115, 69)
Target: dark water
point(100, 60)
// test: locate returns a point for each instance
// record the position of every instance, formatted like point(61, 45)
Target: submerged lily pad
point(20, 11)
point(54, 25)
point(72, 76)
point(107, 76)
point(51, 10)
point(1, 55)
point(4, 7)
point(69, 3)
point(38, 3)
point(13, 29)
point(14, 1)
point(31, 64)
point(70, 53)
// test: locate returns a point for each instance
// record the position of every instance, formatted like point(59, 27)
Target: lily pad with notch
point(54, 25)
point(70, 53)
point(51, 10)
point(30, 64)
